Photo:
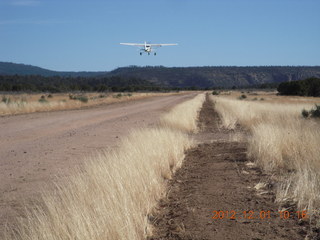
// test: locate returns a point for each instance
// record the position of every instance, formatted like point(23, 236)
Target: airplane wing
point(163, 44)
point(133, 44)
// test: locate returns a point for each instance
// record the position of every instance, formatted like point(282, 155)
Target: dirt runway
point(36, 148)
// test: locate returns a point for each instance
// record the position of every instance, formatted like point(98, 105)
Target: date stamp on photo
point(252, 214)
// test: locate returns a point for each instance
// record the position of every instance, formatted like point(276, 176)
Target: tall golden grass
point(112, 195)
point(183, 112)
point(28, 103)
point(282, 142)
point(35, 106)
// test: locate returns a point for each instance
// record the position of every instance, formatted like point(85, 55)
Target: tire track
point(215, 177)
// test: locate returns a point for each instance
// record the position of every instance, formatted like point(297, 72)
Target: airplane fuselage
point(147, 48)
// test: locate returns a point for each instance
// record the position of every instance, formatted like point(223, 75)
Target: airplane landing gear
point(140, 53)
point(155, 54)
point(148, 53)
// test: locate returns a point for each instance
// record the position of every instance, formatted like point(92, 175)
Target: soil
point(215, 178)
point(40, 147)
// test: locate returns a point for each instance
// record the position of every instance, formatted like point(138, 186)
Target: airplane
point(148, 47)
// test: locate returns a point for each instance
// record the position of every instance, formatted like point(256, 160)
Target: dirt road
point(35, 148)
point(212, 196)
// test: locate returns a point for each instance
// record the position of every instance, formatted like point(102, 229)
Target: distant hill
point(217, 76)
point(203, 77)
point(7, 68)
point(37, 83)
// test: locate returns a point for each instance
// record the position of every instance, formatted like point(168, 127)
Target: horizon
point(85, 35)
point(146, 66)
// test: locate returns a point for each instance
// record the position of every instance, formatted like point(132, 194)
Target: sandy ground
point(36, 148)
point(215, 177)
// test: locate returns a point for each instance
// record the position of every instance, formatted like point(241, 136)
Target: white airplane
point(148, 47)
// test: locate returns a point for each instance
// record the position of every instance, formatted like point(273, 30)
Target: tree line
point(37, 83)
point(307, 87)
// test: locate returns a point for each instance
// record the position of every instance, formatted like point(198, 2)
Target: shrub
point(6, 100)
point(81, 98)
point(305, 113)
point(119, 95)
point(42, 100)
point(50, 96)
point(315, 113)
point(243, 96)
point(215, 92)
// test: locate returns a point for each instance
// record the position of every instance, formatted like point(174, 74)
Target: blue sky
point(84, 35)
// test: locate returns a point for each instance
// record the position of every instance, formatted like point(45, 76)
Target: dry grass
point(28, 103)
point(282, 143)
point(251, 113)
point(183, 112)
point(111, 197)
point(269, 96)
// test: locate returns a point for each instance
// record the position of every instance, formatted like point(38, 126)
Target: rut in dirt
point(214, 177)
